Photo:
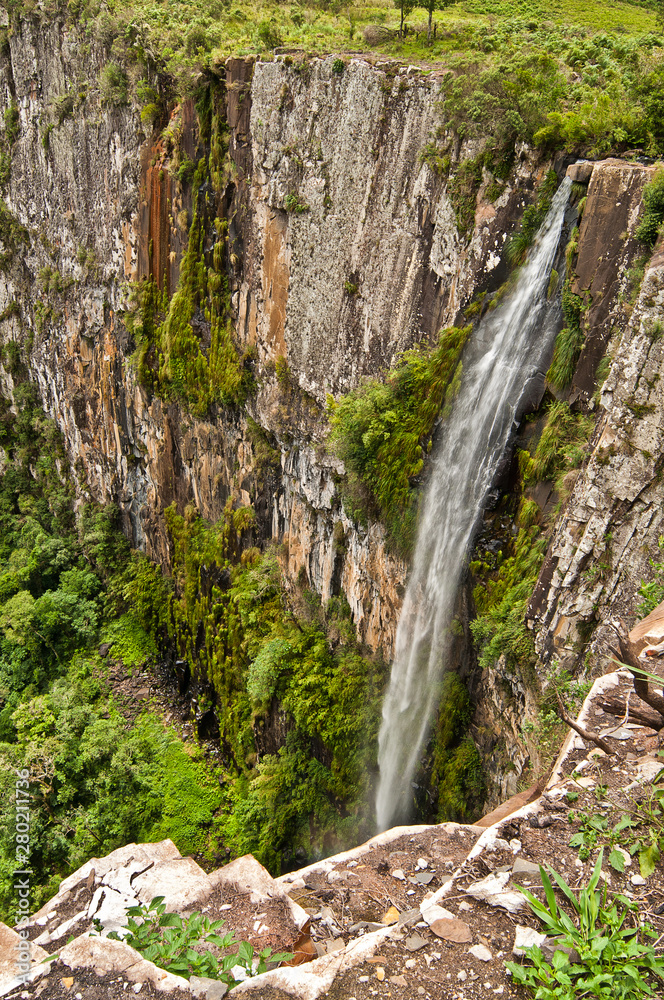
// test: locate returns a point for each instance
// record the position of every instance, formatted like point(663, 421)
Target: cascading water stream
point(505, 353)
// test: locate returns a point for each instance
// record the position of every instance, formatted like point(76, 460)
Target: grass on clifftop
point(595, 60)
point(224, 28)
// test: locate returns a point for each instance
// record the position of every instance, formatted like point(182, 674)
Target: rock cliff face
point(344, 250)
point(374, 264)
point(600, 551)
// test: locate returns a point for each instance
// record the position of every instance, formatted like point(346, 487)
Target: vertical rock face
point(609, 530)
point(345, 251)
point(606, 247)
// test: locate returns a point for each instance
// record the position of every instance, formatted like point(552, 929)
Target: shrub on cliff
point(649, 227)
point(380, 430)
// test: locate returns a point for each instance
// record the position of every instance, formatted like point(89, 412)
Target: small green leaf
point(617, 860)
point(648, 858)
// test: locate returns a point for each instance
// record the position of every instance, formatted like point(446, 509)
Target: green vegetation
point(99, 780)
point(170, 941)
point(171, 336)
point(259, 654)
point(96, 782)
point(8, 137)
point(501, 603)
point(653, 210)
point(615, 958)
point(380, 432)
point(457, 776)
point(652, 592)
point(533, 217)
point(503, 591)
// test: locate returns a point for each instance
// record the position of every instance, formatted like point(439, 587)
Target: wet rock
point(581, 172)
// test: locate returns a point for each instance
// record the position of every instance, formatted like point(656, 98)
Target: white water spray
point(505, 353)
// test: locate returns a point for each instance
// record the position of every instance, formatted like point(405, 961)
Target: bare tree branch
point(584, 733)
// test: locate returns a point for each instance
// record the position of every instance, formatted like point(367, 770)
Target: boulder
point(580, 172)
point(30, 954)
point(183, 884)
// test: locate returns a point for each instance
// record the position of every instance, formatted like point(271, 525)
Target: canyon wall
point(608, 532)
point(344, 250)
point(374, 264)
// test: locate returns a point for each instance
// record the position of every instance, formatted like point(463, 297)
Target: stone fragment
point(422, 863)
point(621, 734)
point(391, 916)
point(453, 930)
point(524, 938)
point(67, 982)
point(216, 991)
point(423, 877)
point(199, 985)
point(410, 963)
point(637, 880)
point(380, 973)
point(415, 942)
point(399, 874)
point(527, 869)
point(462, 975)
point(649, 768)
point(480, 952)
point(491, 890)
point(409, 917)
point(432, 911)
point(399, 980)
point(550, 946)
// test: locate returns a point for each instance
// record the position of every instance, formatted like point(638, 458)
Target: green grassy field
point(587, 77)
point(221, 28)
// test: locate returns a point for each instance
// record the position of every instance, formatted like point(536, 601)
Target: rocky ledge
point(430, 911)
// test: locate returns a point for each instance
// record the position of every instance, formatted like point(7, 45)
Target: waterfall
point(504, 354)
